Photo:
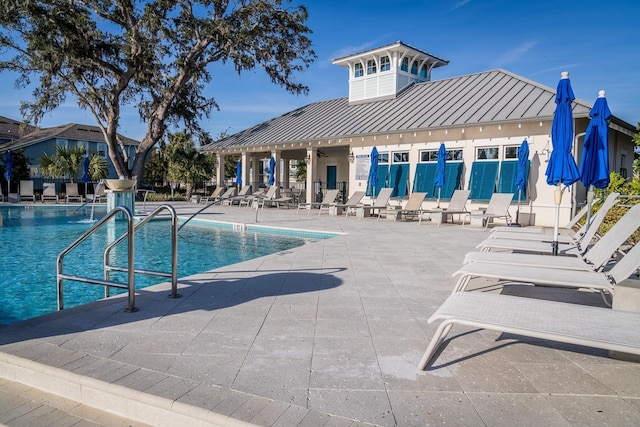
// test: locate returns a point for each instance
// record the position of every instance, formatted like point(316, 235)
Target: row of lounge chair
point(49, 193)
point(230, 196)
point(591, 262)
point(498, 207)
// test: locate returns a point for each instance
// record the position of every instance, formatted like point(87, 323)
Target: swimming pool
point(32, 238)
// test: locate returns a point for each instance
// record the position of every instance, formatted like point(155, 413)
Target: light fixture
point(351, 157)
point(307, 159)
point(547, 152)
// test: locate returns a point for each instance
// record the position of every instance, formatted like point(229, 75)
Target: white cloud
point(459, 5)
point(513, 55)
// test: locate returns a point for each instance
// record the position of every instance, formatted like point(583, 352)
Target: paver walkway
point(326, 334)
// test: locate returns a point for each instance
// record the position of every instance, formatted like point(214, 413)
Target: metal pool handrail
point(130, 268)
point(174, 251)
point(130, 285)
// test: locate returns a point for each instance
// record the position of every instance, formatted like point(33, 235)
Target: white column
point(245, 168)
point(220, 170)
point(276, 154)
point(311, 171)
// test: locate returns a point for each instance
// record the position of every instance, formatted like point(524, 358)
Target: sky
point(597, 42)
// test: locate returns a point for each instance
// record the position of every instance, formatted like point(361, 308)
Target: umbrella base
point(515, 224)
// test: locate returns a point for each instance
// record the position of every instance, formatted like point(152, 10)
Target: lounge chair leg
point(439, 336)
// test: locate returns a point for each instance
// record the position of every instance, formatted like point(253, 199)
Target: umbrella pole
point(517, 223)
point(590, 195)
point(558, 201)
point(439, 191)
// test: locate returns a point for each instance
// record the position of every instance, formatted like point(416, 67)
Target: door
point(332, 177)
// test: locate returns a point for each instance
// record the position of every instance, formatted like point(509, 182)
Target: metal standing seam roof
point(495, 96)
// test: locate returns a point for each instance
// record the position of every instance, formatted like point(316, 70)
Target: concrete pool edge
point(127, 402)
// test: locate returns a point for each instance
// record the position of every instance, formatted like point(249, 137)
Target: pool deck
point(328, 334)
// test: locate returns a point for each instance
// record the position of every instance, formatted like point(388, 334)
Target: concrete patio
point(328, 334)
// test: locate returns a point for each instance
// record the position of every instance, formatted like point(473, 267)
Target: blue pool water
point(32, 238)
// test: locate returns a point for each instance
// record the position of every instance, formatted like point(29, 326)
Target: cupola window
point(404, 66)
point(371, 67)
point(357, 70)
point(385, 64)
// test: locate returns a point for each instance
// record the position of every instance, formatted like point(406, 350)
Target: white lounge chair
point(273, 199)
point(98, 195)
point(498, 208)
point(594, 258)
point(328, 200)
point(214, 196)
point(381, 202)
point(604, 282)
point(587, 231)
point(569, 227)
point(542, 243)
point(26, 190)
point(413, 208)
point(71, 193)
point(49, 192)
point(228, 194)
point(597, 327)
point(457, 206)
point(351, 204)
point(235, 199)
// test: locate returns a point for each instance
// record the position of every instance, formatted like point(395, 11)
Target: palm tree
point(65, 162)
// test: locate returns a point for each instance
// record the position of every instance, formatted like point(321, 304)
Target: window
point(383, 158)
point(385, 64)
point(404, 66)
point(511, 152)
point(414, 68)
point(428, 156)
point(432, 156)
point(423, 72)
point(357, 70)
point(401, 157)
point(102, 150)
point(371, 66)
point(454, 155)
point(487, 153)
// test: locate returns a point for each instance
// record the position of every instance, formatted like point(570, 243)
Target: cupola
point(383, 72)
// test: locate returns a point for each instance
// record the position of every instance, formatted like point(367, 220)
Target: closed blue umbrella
point(594, 167)
point(562, 168)
point(520, 181)
point(442, 160)
point(373, 170)
point(272, 171)
point(85, 175)
point(8, 163)
point(239, 173)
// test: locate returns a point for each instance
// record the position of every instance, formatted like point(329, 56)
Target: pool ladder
point(130, 268)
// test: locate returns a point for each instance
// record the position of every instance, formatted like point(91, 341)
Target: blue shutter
point(482, 181)
point(398, 176)
point(425, 177)
point(508, 171)
point(381, 182)
point(452, 176)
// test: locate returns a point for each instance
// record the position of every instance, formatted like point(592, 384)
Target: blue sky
point(597, 42)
